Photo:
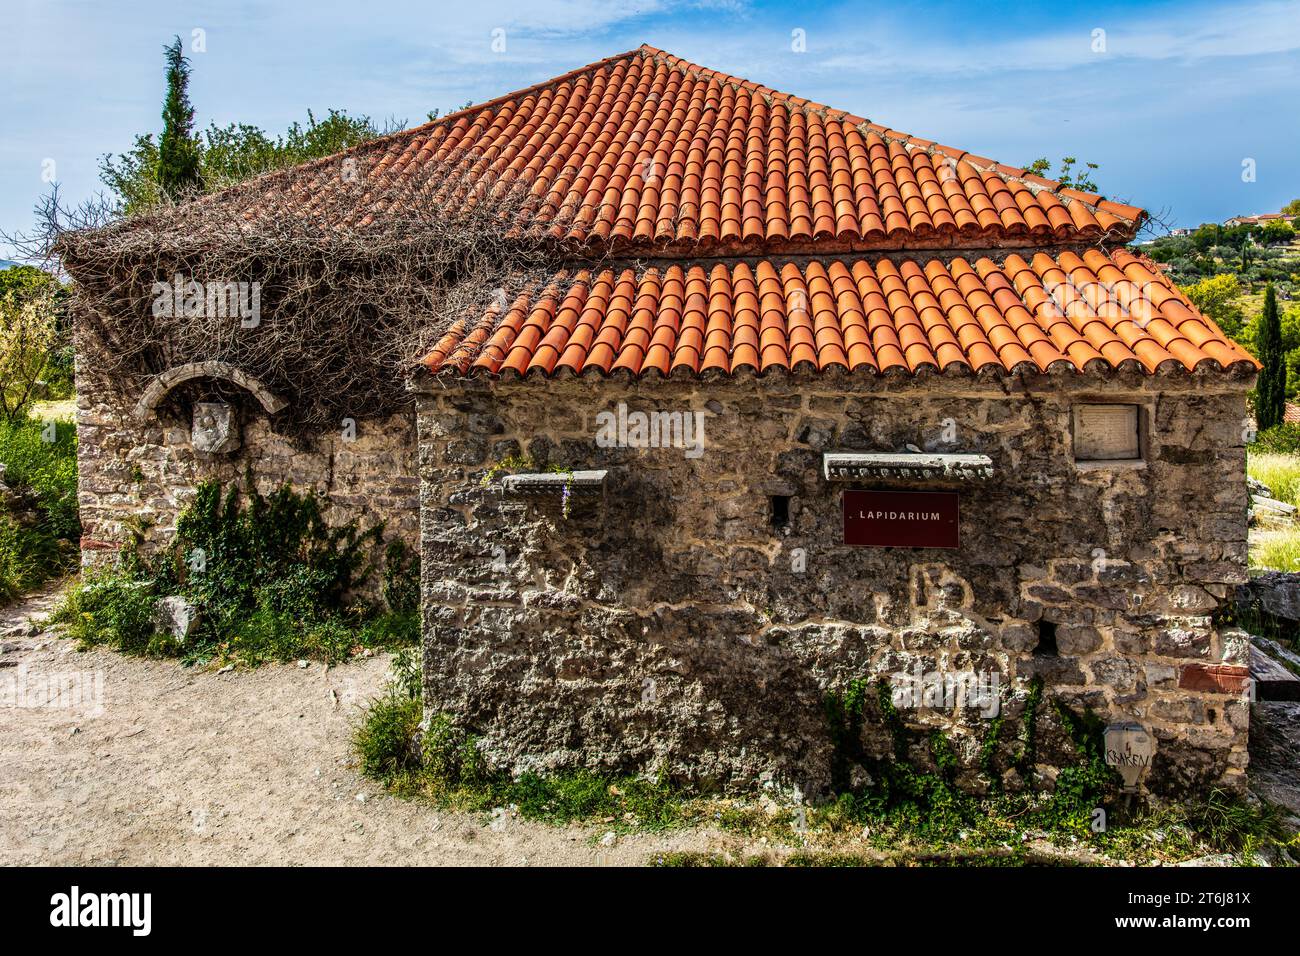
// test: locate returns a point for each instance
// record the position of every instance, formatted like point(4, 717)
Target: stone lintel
point(540, 483)
point(846, 466)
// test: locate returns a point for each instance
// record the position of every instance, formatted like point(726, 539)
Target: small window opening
point(780, 511)
point(1046, 646)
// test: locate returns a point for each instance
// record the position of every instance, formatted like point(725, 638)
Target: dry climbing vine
point(361, 266)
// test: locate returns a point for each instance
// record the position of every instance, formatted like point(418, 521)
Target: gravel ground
point(160, 764)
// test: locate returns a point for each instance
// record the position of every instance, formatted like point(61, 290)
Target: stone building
point(811, 401)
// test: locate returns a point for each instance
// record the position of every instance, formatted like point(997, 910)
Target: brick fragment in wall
point(1214, 678)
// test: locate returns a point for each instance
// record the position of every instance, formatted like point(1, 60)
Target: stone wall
point(142, 474)
point(667, 625)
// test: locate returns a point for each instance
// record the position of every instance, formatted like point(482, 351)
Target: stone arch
point(160, 385)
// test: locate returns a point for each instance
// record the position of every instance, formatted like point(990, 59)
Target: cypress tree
point(178, 150)
point(1270, 392)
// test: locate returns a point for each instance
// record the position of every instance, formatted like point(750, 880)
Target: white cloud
point(1253, 29)
point(81, 77)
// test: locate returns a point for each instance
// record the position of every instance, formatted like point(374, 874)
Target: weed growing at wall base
point(266, 577)
point(897, 815)
point(437, 760)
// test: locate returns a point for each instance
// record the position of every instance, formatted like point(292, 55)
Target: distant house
point(1262, 219)
point(1292, 414)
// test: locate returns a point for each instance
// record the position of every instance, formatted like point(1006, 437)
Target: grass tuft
point(1275, 550)
point(1280, 472)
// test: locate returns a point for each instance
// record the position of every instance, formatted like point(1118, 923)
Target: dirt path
point(159, 764)
point(147, 762)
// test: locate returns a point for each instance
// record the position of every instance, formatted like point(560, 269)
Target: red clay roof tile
point(1082, 312)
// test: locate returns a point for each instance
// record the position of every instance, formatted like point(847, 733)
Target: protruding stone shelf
point(915, 465)
point(552, 482)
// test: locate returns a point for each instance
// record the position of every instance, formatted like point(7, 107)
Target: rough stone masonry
point(138, 475)
point(669, 625)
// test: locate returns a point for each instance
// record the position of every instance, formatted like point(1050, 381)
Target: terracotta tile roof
point(1032, 312)
point(647, 151)
point(1291, 414)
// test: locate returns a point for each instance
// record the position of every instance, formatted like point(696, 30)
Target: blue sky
point(1179, 97)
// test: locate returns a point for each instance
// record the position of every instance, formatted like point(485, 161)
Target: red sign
point(901, 519)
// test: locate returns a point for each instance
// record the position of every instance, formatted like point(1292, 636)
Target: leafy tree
point(1291, 330)
point(133, 176)
point(1217, 298)
point(178, 149)
point(1270, 392)
point(1292, 208)
point(240, 151)
point(1170, 248)
point(1207, 235)
point(221, 155)
point(1237, 236)
point(1252, 334)
point(1082, 179)
point(1275, 232)
point(32, 340)
point(230, 154)
point(24, 280)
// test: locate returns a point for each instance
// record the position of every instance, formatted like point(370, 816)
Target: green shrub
point(270, 634)
point(240, 554)
point(401, 578)
point(1281, 439)
point(390, 630)
point(407, 672)
point(28, 556)
point(272, 581)
point(384, 740)
point(46, 470)
point(451, 756)
point(114, 608)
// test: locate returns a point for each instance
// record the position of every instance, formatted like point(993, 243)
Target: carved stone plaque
point(1106, 432)
point(215, 430)
point(1129, 749)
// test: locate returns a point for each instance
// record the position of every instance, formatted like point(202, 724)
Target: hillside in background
point(1224, 271)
